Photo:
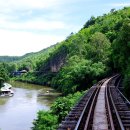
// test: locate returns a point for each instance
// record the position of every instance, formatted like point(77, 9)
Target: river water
point(18, 112)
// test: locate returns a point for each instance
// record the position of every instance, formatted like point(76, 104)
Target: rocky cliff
point(56, 61)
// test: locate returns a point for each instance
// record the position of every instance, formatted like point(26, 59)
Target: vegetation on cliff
point(99, 49)
point(82, 58)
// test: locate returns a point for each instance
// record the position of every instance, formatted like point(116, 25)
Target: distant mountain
point(18, 58)
point(9, 58)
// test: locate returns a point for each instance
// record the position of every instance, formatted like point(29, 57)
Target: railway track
point(117, 109)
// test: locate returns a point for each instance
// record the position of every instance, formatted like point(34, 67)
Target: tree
point(45, 121)
point(3, 76)
point(100, 48)
point(90, 22)
point(112, 10)
point(49, 120)
point(1, 82)
point(121, 54)
point(121, 47)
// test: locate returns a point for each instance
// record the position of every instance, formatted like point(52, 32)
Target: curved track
point(117, 110)
point(119, 107)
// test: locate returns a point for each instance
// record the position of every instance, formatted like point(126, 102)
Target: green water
point(18, 112)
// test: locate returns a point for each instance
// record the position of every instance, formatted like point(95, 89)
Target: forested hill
point(15, 58)
point(8, 58)
point(26, 56)
point(100, 48)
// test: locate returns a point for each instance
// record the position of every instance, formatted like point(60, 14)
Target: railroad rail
point(81, 117)
point(76, 117)
point(119, 107)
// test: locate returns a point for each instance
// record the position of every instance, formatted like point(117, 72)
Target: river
point(18, 112)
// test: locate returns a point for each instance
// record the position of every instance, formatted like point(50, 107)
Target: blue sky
point(31, 25)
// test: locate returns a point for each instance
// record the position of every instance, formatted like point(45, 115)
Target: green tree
point(3, 76)
point(90, 22)
point(1, 82)
point(49, 120)
point(100, 48)
point(45, 121)
point(121, 47)
point(121, 54)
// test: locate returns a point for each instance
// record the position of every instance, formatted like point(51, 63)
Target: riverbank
point(31, 77)
point(59, 109)
point(21, 109)
point(57, 112)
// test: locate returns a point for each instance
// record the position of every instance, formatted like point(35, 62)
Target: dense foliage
point(4, 72)
point(8, 58)
point(49, 120)
point(100, 48)
point(73, 76)
point(121, 53)
point(82, 58)
point(45, 121)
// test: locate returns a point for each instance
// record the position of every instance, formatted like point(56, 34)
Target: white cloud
point(120, 4)
point(11, 19)
point(19, 43)
point(15, 26)
point(12, 5)
point(33, 25)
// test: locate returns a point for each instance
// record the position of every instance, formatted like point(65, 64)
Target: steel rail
point(85, 119)
point(110, 119)
point(116, 112)
point(128, 102)
point(109, 110)
point(93, 100)
point(81, 117)
point(91, 110)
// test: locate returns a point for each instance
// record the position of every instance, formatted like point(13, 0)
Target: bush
point(45, 121)
point(49, 120)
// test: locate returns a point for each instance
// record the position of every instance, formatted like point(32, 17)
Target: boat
point(6, 90)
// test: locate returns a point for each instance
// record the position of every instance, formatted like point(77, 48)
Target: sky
point(32, 25)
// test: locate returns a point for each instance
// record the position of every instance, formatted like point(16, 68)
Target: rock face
point(55, 62)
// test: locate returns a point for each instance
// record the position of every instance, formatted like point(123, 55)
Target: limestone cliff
point(55, 62)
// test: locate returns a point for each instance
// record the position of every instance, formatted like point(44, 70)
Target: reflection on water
point(18, 112)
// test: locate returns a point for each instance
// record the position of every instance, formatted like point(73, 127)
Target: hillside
point(26, 56)
point(16, 58)
point(100, 48)
point(9, 58)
